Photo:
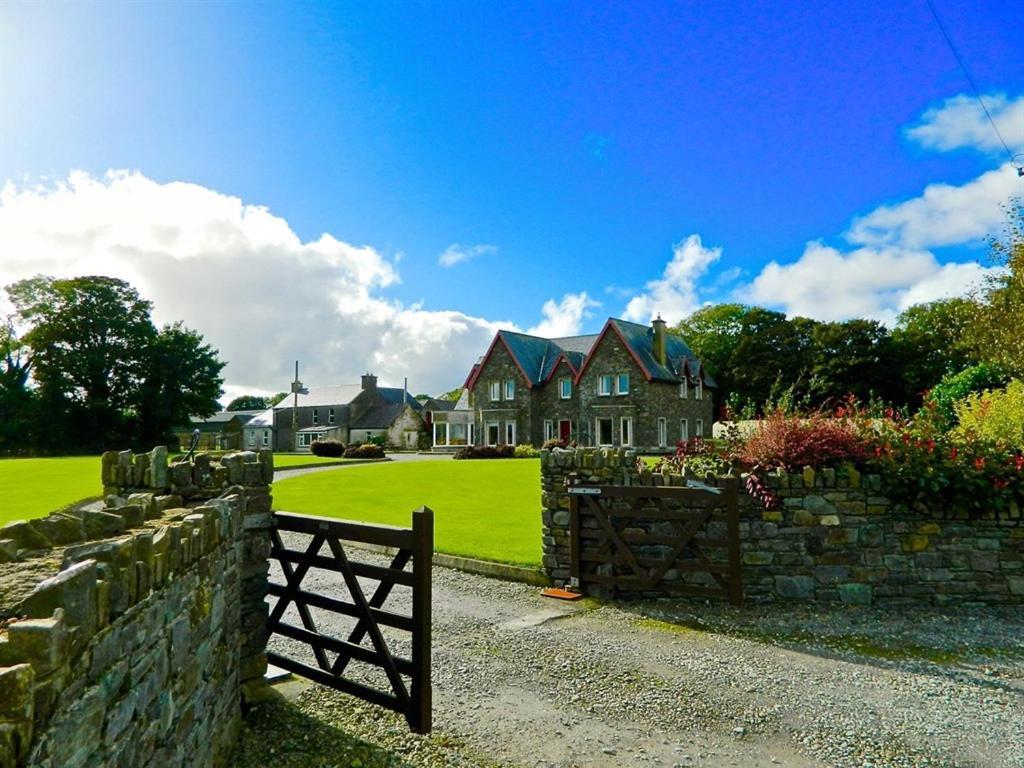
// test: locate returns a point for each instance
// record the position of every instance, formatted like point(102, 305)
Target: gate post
point(733, 522)
point(421, 691)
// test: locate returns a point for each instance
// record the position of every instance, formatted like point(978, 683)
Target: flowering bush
point(791, 443)
point(995, 416)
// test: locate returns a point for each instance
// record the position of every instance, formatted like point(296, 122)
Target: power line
point(977, 94)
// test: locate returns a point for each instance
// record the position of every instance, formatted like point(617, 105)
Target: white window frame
point(510, 389)
point(684, 389)
point(549, 430)
point(626, 431)
point(564, 391)
point(684, 429)
point(597, 430)
point(251, 437)
point(699, 394)
point(662, 432)
point(602, 381)
point(316, 415)
point(495, 391)
point(487, 432)
point(619, 389)
point(700, 428)
point(266, 437)
point(510, 433)
point(330, 415)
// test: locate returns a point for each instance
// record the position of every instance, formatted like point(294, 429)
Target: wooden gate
point(646, 540)
point(414, 545)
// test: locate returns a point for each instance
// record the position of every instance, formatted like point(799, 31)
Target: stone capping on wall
point(833, 537)
point(128, 634)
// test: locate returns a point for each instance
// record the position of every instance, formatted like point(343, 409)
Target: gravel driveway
point(527, 681)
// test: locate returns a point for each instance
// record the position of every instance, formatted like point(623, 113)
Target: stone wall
point(832, 538)
point(128, 634)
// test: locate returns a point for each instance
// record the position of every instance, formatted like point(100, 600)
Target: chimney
point(658, 326)
point(369, 382)
point(405, 390)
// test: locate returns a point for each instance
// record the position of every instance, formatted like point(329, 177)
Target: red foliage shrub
point(790, 442)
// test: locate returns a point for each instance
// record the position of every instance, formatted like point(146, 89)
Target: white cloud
point(826, 284)
point(675, 294)
point(960, 122)
point(942, 215)
point(456, 254)
point(564, 318)
point(240, 276)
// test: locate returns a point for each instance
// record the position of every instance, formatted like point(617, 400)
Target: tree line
point(760, 357)
point(84, 369)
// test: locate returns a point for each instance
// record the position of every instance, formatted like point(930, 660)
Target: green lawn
point(36, 487)
point(285, 460)
point(487, 509)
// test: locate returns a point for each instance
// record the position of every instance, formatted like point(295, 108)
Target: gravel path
point(521, 680)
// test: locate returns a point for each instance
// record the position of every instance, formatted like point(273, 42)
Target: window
point(684, 430)
point(549, 430)
point(510, 390)
point(622, 384)
point(491, 433)
point(510, 433)
point(252, 438)
point(684, 389)
point(699, 395)
point(330, 415)
point(604, 385)
point(306, 439)
point(604, 431)
point(316, 416)
point(626, 430)
point(565, 388)
point(663, 432)
point(700, 427)
point(495, 391)
point(266, 437)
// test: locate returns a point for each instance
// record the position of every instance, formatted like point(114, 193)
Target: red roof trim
point(475, 375)
point(600, 338)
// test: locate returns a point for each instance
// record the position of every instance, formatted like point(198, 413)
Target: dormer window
point(699, 395)
point(495, 391)
point(604, 385)
point(316, 416)
point(622, 384)
point(565, 388)
point(684, 389)
point(510, 390)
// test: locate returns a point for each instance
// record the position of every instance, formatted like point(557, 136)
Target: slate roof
point(262, 419)
point(379, 416)
point(396, 395)
point(537, 357)
point(339, 394)
point(219, 420)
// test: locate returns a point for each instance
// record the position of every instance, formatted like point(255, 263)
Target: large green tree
point(931, 341)
point(248, 403)
point(853, 357)
point(996, 326)
point(17, 401)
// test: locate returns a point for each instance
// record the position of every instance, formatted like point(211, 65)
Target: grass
point(288, 460)
point(487, 509)
point(36, 487)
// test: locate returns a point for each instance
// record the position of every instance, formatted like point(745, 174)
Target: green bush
point(956, 386)
point(525, 452)
point(484, 452)
point(995, 416)
point(364, 451)
point(329, 448)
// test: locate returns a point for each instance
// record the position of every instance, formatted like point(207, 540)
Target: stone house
point(630, 385)
point(348, 413)
point(223, 431)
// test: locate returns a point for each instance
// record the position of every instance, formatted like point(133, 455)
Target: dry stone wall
point(129, 634)
point(834, 537)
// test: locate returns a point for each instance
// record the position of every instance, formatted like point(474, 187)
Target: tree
point(772, 354)
point(997, 321)
point(713, 333)
point(16, 399)
point(931, 341)
point(248, 403)
point(89, 337)
point(275, 399)
point(452, 396)
point(853, 357)
point(183, 379)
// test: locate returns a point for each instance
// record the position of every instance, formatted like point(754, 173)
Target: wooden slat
point(420, 711)
point(574, 540)
point(294, 577)
point(350, 530)
point(596, 534)
point(357, 652)
point(654, 491)
point(345, 685)
point(363, 570)
point(387, 618)
point(688, 566)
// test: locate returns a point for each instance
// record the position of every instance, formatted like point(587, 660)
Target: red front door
point(564, 429)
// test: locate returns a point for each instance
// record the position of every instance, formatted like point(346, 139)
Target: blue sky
point(572, 147)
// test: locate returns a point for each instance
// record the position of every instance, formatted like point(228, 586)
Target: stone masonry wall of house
point(128, 635)
point(645, 403)
point(833, 538)
point(501, 367)
point(551, 405)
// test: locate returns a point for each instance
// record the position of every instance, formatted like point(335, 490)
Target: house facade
point(630, 385)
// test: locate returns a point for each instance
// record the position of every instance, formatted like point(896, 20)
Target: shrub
point(525, 451)
point(331, 448)
point(957, 386)
point(555, 442)
point(484, 452)
point(364, 451)
point(790, 442)
point(994, 416)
